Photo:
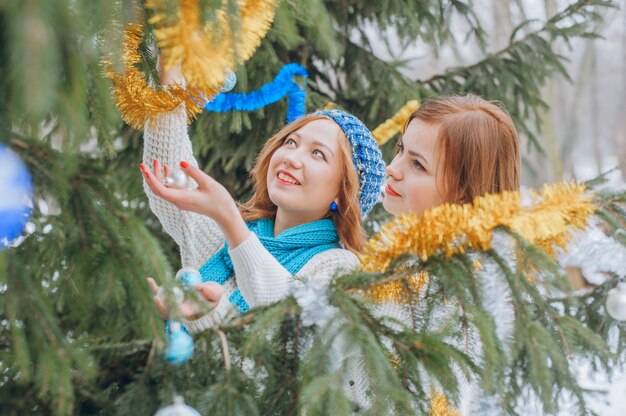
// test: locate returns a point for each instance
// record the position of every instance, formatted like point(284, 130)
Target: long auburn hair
point(477, 146)
point(347, 218)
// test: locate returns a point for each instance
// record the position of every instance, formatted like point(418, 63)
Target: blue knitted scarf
point(293, 248)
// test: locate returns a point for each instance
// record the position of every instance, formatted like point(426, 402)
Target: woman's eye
point(319, 154)
point(290, 142)
point(418, 165)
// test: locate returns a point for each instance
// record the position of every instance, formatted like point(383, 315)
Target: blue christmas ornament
point(189, 276)
point(229, 81)
point(16, 190)
point(180, 346)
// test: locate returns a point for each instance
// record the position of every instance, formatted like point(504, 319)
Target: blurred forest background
point(583, 131)
point(582, 128)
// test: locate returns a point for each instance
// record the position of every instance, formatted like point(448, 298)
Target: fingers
point(151, 180)
point(157, 185)
point(166, 170)
point(211, 291)
point(202, 179)
point(153, 285)
point(158, 171)
point(158, 302)
point(161, 308)
point(189, 310)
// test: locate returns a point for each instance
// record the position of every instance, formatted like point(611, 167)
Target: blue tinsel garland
point(283, 84)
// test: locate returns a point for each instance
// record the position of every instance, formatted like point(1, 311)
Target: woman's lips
point(390, 191)
point(286, 178)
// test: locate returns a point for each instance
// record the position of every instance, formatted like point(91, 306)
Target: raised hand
point(210, 198)
point(210, 291)
point(171, 76)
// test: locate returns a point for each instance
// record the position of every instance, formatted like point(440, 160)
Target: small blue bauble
point(180, 347)
point(229, 81)
point(189, 276)
point(16, 203)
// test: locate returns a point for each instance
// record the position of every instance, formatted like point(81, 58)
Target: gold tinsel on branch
point(136, 100)
point(205, 50)
point(399, 290)
point(385, 131)
point(451, 229)
point(439, 406)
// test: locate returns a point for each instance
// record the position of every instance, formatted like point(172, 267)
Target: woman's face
point(413, 184)
point(305, 172)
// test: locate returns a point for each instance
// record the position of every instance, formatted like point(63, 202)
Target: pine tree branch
point(549, 27)
point(225, 352)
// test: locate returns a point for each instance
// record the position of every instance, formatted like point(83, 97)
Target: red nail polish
point(154, 163)
point(184, 164)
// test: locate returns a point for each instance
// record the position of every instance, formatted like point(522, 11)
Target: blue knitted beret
point(366, 156)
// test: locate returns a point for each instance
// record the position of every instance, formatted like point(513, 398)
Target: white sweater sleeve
point(198, 236)
point(263, 280)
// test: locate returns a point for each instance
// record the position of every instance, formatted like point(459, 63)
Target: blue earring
point(333, 206)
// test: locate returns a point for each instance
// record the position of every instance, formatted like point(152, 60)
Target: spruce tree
point(79, 333)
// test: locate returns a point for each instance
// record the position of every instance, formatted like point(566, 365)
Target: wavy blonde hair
point(347, 218)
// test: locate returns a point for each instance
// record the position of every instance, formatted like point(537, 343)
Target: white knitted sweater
point(258, 275)
point(496, 300)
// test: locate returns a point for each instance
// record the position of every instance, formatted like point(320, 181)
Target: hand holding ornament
point(189, 309)
point(210, 198)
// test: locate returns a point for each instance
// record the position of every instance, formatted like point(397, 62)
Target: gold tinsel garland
point(451, 229)
point(439, 406)
point(206, 50)
point(394, 125)
point(399, 291)
point(136, 100)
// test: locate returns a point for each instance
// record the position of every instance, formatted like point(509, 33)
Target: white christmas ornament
point(229, 81)
point(178, 293)
point(177, 179)
point(616, 302)
point(179, 408)
point(188, 276)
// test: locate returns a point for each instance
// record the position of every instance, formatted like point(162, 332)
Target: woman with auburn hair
point(313, 182)
point(454, 149)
